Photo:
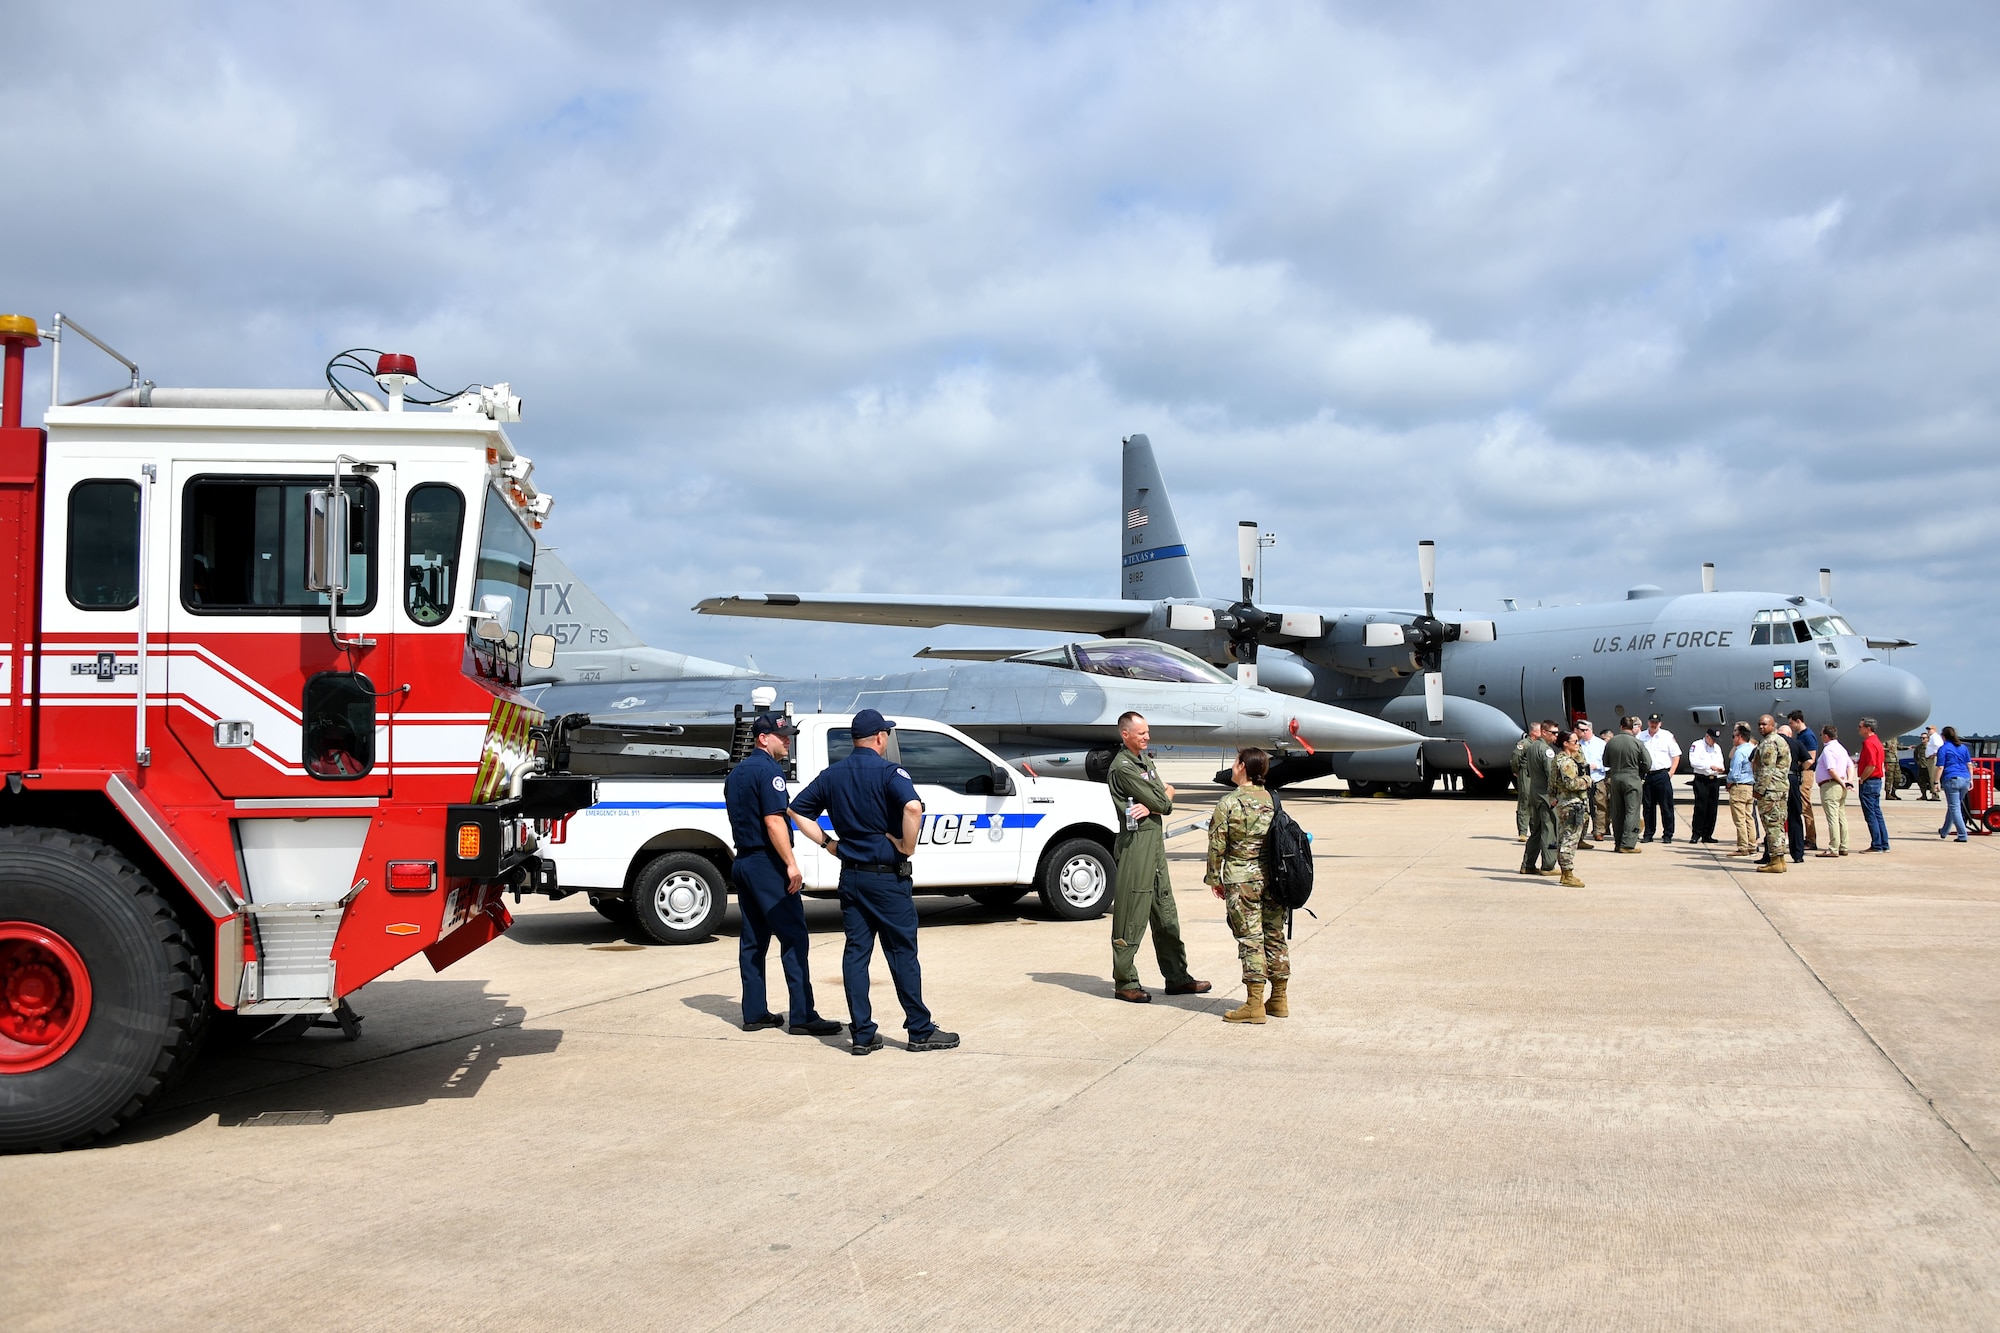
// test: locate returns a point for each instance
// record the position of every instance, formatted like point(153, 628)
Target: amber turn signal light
point(468, 842)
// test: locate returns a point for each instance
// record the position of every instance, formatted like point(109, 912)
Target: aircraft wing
point(1067, 615)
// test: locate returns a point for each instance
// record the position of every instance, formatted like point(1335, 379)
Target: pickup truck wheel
point(103, 996)
point(997, 897)
point(679, 898)
point(618, 911)
point(1077, 879)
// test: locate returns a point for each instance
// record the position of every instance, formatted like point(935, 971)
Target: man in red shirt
point(1869, 768)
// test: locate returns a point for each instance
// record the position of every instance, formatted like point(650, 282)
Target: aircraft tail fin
point(594, 644)
point(1153, 562)
point(563, 604)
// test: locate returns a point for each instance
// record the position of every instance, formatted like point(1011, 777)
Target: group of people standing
point(1574, 788)
point(1144, 896)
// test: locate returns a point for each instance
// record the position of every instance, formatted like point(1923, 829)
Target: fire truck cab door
point(261, 696)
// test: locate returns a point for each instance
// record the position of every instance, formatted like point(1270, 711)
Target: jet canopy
point(1130, 659)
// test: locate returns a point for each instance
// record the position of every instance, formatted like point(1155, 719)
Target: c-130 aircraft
point(1469, 687)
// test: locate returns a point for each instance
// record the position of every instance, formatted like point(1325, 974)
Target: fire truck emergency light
point(393, 370)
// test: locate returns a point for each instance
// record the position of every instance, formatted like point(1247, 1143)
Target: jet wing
point(1069, 615)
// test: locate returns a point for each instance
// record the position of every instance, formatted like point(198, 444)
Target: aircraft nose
point(1897, 700)
point(1325, 727)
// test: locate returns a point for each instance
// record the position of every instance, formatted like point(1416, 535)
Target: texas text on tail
point(1699, 659)
point(593, 645)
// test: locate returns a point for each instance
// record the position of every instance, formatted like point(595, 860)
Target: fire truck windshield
point(506, 568)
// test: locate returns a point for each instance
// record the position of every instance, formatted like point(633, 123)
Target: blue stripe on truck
point(659, 805)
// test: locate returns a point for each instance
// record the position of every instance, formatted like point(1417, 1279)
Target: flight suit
point(1539, 857)
point(1523, 821)
point(1236, 832)
point(1143, 894)
point(1570, 785)
point(1625, 765)
point(864, 794)
point(1771, 767)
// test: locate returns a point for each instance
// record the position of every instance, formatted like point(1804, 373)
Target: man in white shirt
point(1593, 754)
point(1665, 753)
point(1707, 763)
point(1927, 748)
point(1834, 771)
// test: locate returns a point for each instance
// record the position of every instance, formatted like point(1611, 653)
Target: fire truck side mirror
point(326, 541)
point(541, 651)
point(487, 628)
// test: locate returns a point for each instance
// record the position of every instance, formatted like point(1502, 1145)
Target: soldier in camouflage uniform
point(1569, 783)
point(1771, 769)
point(1524, 821)
point(1236, 832)
point(1143, 893)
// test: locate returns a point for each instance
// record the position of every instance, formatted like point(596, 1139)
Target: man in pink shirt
point(1835, 774)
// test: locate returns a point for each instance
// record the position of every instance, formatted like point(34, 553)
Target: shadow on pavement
point(1099, 988)
point(433, 1040)
point(728, 1008)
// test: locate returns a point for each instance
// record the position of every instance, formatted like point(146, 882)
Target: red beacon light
point(393, 370)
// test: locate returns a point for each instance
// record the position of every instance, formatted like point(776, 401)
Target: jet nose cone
point(1325, 727)
point(1897, 700)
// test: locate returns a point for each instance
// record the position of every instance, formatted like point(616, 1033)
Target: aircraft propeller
point(1426, 636)
point(1244, 620)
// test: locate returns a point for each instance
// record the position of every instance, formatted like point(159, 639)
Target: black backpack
point(1288, 861)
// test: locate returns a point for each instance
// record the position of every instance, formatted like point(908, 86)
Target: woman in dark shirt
point(1954, 763)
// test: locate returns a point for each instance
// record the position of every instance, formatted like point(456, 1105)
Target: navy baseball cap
point(868, 722)
point(770, 724)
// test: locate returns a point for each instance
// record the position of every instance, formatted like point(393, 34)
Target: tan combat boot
point(1570, 881)
point(1252, 1010)
point(1278, 1006)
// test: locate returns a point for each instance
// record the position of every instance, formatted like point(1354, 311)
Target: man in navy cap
point(767, 880)
point(876, 817)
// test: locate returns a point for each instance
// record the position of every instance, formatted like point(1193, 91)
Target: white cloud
point(1587, 295)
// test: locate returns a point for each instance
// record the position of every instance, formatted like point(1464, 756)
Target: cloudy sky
point(862, 297)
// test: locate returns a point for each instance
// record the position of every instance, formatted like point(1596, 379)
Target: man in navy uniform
point(876, 817)
point(767, 880)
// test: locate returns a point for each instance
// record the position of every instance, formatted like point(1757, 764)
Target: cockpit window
point(1826, 627)
point(1781, 626)
point(1132, 659)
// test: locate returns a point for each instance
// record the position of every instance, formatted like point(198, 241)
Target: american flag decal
point(1135, 518)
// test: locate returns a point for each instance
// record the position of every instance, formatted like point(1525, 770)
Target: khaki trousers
point(1833, 797)
point(1743, 810)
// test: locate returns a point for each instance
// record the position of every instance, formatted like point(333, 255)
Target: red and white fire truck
point(260, 733)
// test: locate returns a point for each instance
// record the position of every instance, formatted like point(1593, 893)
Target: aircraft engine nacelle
point(1489, 732)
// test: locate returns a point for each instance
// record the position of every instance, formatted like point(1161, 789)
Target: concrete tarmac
point(1687, 1096)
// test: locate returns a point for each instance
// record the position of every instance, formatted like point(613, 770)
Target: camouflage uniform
point(1143, 893)
point(1771, 767)
point(1236, 832)
point(1523, 814)
point(1569, 783)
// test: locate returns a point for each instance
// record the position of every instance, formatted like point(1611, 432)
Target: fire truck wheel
point(679, 898)
point(102, 994)
point(1076, 880)
point(618, 911)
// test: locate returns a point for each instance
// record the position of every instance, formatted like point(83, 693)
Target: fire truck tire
point(618, 911)
point(679, 898)
point(85, 937)
point(1076, 880)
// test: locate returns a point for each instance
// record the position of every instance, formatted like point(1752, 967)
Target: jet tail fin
point(593, 643)
point(1153, 562)
point(563, 604)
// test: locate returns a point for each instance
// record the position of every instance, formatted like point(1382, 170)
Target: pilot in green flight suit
point(1144, 894)
point(1523, 817)
point(1625, 765)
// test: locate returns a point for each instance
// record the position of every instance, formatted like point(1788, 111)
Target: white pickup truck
point(656, 851)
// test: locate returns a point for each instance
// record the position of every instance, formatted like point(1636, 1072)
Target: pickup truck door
point(970, 836)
